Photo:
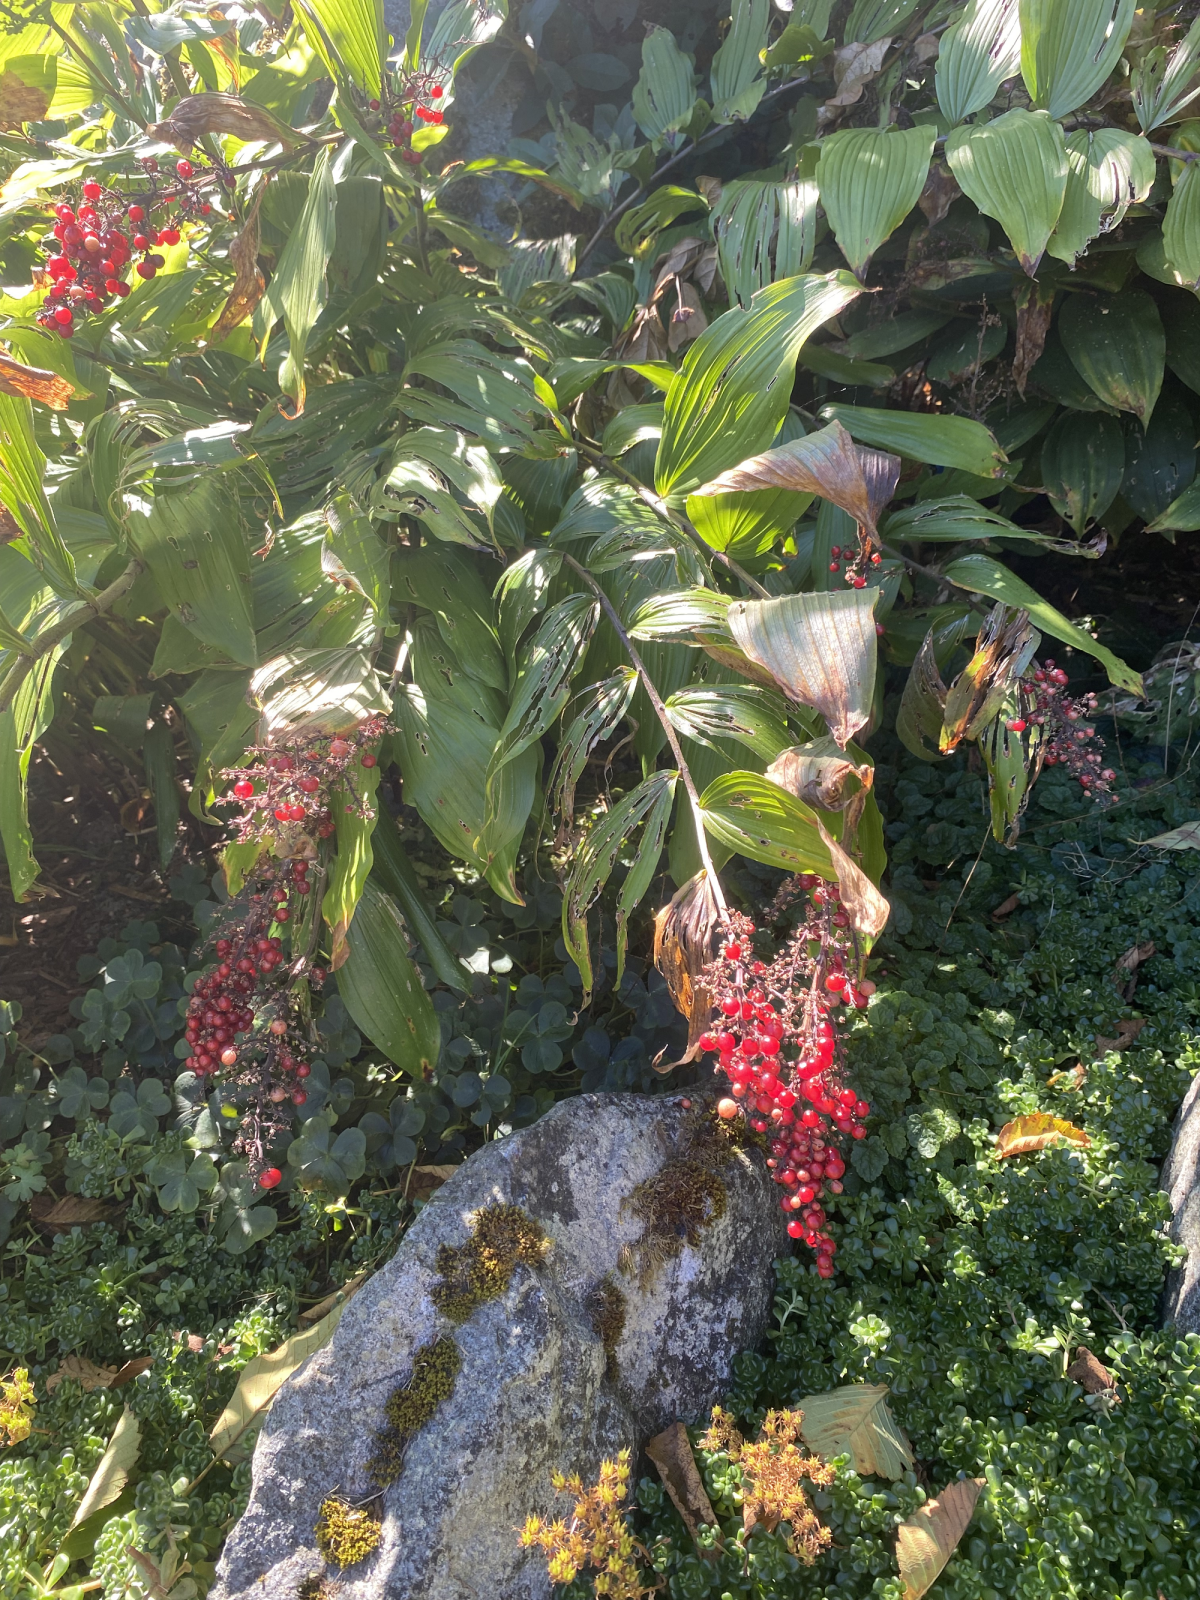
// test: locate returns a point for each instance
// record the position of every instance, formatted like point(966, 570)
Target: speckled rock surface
point(536, 1393)
point(1181, 1180)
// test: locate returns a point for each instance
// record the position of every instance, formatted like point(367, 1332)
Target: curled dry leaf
point(854, 65)
point(1006, 908)
point(1127, 1031)
point(1023, 1135)
point(72, 1211)
point(131, 1370)
point(84, 1372)
point(671, 1453)
point(820, 774)
point(1005, 647)
point(249, 286)
point(820, 649)
point(197, 114)
point(927, 1540)
point(1185, 837)
point(685, 938)
point(1090, 1372)
point(939, 194)
point(861, 900)
point(34, 383)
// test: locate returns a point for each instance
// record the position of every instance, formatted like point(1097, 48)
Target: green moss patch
point(481, 1268)
point(607, 1311)
point(683, 1198)
point(435, 1368)
point(345, 1534)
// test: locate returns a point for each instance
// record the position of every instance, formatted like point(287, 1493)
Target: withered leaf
point(829, 463)
point(249, 286)
point(1004, 648)
point(939, 194)
point(1035, 304)
point(856, 1420)
point(72, 1211)
point(1127, 1031)
point(685, 936)
point(1090, 1372)
point(671, 1453)
point(1072, 1078)
point(861, 900)
point(83, 1372)
point(1135, 955)
point(426, 1179)
point(131, 1370)
point(20, 101)
point(922, 703)
point(854, 65)
point(820, 774)
point(34, 383)
point(927, 1540)
point(1006, 908)
point(1023, 1135)
point(222, 113)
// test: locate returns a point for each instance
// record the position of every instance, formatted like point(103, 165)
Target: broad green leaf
point(922, 704)
point(1181, 516)
point(355, 555)
point(665, 93)
point(351, 865)
point(443, 580)
point(26, 719)
point(447, 480)
point(730, 396)
point(297, 291)
point(604, 708)
point(1083, 458)
point(981, 575)
point(348, 34)
point(494, 399)
point(749, 715)
point(942, 441)
point(1110, 170)
point(383, 990)
point(1162, 82)
point(977, 54)
point(901, 332)
point(1015, 169)
point(650, 804)
point(751, 219)
point(870, 179)
point(1117, 345)
point(1161, 462)
point(22, 475)
point(925, 1543)
point(523, 593)
point(953, 519)
point(391, 866)
point(758, 819)
point(112, 1472)
point(1069, 47)
point(1181, 229)
point(550, 661)
point(856, 1421)
point(738, 83)
point(747, 522)
point(322, 691)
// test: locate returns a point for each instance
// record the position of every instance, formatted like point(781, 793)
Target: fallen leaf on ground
point(1090, 1372)
point(1006, 908)
point(671, 1453)
point(83, 1372)
point(342, 1295)
point(1185, 837)
point(425, 1180)
point(1127, 1031)
point(112, 1474)
point(855, 1421)
point(927, 1540)
point(131, 1370)
point(72, 1211)
point(1035, 1132)
point(1125, 975)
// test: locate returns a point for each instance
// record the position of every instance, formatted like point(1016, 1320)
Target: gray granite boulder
point(1181, 1181)
point(646, 1212)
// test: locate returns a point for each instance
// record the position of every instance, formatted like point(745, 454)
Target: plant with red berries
point(293, 781)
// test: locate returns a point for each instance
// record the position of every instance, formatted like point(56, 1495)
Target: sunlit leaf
point(664, 93)
point(760, 820)
point(549, 662)
point(112, 1472)
point(856, 1421)
point(1181, 229)
point(383, 990)
point(352, 863)
point(821, 774)
point(1162, 81)
point(750, 716)
point(929, 1538)
point(1109, 170)
point(1185, 837)
point(737, 80)
point(1069, 47)
point(297, 290)
point(1025, 1134)
point(943, 441)
point(977, 54)
point(870, 179)
point(1015, 169)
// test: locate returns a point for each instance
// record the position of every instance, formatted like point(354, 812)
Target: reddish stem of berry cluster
point(1068, 738)
point(293, 781)
point(97, 236)
point(778, 1046)
point(406, 107)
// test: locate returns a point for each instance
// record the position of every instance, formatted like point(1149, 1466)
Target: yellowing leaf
point(926, 1541)
point(855, 1421)
point(1034, 1132)
point(112, 1474)
point(1185, 837)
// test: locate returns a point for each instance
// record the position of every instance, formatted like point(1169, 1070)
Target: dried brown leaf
point(1127, 1031)
point(34, 383)
point(1135, 955)
point(222, 113)
point(131, 1370)
point(1023, 1135)
point(820, 775)
point(671, 1453)
point(1035, 304)
point(854, 65)
point(1004, 648)
point(1006, 908)
point(939, 194)
point(1090, 1372)
point(685, 936)
point(20, 101)
point(861, 900)
point(856, 1420)
point(322, 1307)
point(72, 1211)
point(83, 1372)
point(425, 1180)
point(687, 321)
point(249, 285)
point(927, 1540)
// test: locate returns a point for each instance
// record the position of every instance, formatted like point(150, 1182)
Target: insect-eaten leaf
point(685, 940)
point(112, 1473)
point(671, 1453)
point(34, 383)
point(821, 774)
point(1003, 650)
point(856, 1421)
point(927, 1540)
point(1023, 1135)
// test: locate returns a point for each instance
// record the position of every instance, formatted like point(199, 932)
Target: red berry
point(298, 1097)
point(296, 813)
point(727, 1109)
point(146, 269)
point(91, 190)
point(63, 316)
point(135, 213)
point(282, 813)
point(303, 1070)
point(228, 1058)
point(184, 169)
point(309, 785)
point(707, 1042)
point(368, 761)
point(1017, 725)
point(436, 92)
point(374, 104)
point(243, 788)
point(269, 1178)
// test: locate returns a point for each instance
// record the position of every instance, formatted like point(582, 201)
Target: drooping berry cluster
point(292, 781)
point(778, 1046)
point(407, 105)
point(95, 238)
point(854, 560)
point(1068, 738)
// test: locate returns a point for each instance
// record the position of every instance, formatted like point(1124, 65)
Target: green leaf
point(603, 711)
point(746, 522)
point(395, 872)
point(1109, 170)
point(348, 34)
point(981, 575)
point(1181, 516)
point(355, 555)
point(1181, 229)
point(352, 863)
point(760, 820)
point(446, 582)
point(942, 441)
point(870, 179)
point(1161, 462)
point(1162, 83)
point(26, 719)
point(750, 219)
point(952, 519)
point(493, 399)
point(730, 396)
point(977, 54)
point(1015, 169)
point(112, 1472)
point(1083, 458)
point(297, 291)
point(382, 988)
point(445, 479)
point(664, 95)
point(737, 81)
point(550, 661)
point(650, 803)
point(751, 716)
point(1010, 770)
point(316, 692)
point(1069, 47)
point(1117, 345)
point(22, 476)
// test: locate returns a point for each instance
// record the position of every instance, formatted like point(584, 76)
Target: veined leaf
point(297, 290)
point(867, 909)
point(606, 705)
point(391, 866)
point(1161, 462)
point(856, 1421)
point(22, 476)
point(355, 555)
point(493, 399)
point(1117, 345)
point(665, 92)
point(1109, 170)
point(1181, 229)
point(443, 580)
point(953, 519)
point(649, 803)
point(870, 179)
point(746, 522)
point(112, 1472)
point(26, 719)
point(919, 719)
point(1163, 83)
point(352, 863)
point(929, 1538)
point(348, 34)
point(551, 659)
point(1034, 1132)
point(760, 820)
point(1069, 47)
point(434, 467)
point(1181, 516)
point(751, 716)
point(1015, 169)
point(1083, 459)
point(1012, 762)
point(750, 218)
point(981, 575)
point(940, 440)
point(522, 593)
point(316, 692)
point(383, 990)
point(737, 81)
point(977, 54)
point(732, 392)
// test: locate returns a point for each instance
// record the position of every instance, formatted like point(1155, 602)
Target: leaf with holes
point(1109, 170)
point(981, 49)
point(758, 819)
point(1069, 47)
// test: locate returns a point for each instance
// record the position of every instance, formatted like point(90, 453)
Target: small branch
point(95, 607)
point(931, 572)
point(660, 712)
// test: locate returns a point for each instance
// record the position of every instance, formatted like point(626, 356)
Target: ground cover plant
point(459, 595)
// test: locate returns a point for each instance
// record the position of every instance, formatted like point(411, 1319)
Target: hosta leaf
point(1162, 83)
point(953, 519)
point(929, 1538)
point(760, 820)
point(665, 92)
point(1069, 47)
point(316, 692)
point(1015, 169)
point(1117, 345)
point(551, 659)
point(1161, 462)
point(856, 1421)
point(382, 988)
point(731, 394)
point(981, 575)
point(1109, 170)
point(112, 1472)
point(746, 523)
point(493, 399)
point(870, 179)
point(752, 217)
point(1181, 229)
point(355, 555)
point(977, 54)
point(751, 716)
point(737, 81)
point(1023, 1135)
point(1083, 458)
point(650, 803)
point(941, 441)
point(522, 592)
point(821, 649)
point(1181, 516)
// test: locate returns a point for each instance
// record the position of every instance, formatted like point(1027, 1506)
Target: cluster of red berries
point(784, 1050)
point(95, 239)
point(292, 782)
point(221, 1008)
point(1068, 739)
point(407, 111)
point(854, 560)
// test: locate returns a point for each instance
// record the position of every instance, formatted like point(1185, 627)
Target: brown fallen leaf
point(927, 1540)
point(854, 65)
point(426, 1179)
point(72, 1211)
point(1035, 302)
point(83, 1372)
point(1125, 975)
point(34, 383)
point(1090, 1373)
point(685, 939)
point(671, 1453)
point(1026, 1134)
point(1006, 908)
point(134, 894)
point(249, 285)
point(939, 194)
point(346, 1292)
point(1127, 1031)
point(131, 1370)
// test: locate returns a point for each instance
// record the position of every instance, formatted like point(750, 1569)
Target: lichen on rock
point(345, 1534)
point(481, 1268)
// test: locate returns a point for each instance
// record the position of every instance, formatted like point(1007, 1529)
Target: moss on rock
point(345, 1534)
point(481, 1268)
point(607, 1310)
point(435, 1368)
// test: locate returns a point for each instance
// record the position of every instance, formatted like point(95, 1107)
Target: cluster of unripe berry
point(1068, 738)
point(292, 781)
point(96, 238)
point(409, 108)
point(777, 1045)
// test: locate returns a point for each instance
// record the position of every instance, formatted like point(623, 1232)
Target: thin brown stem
point(660, 711)
point(26, 660)
point(931, 572)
